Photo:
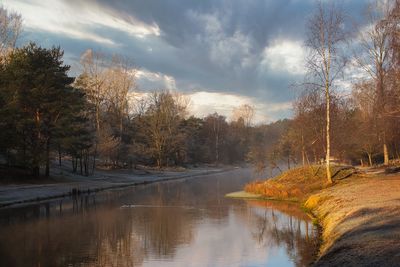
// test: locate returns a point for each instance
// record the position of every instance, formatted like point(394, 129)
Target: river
point(185, 222)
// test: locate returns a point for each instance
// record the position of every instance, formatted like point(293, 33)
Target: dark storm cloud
point(213, 45)
point(260, 22)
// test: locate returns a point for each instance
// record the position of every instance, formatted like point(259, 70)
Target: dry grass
point(297, 184)
point(359, 216)
point(360, 219)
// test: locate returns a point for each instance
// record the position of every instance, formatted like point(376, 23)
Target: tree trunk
point(59, 155)
point(36, 171)
point(74, 164)
point(216, 150)
point(307, 159)
point(94, 158)
point(370, 159)
point(37, 148)
point(303, 150)
point(385, 153)
point(380, 88)
point(80, 163)
point(328, 141)
point(97, 119)
point(86, 162)
point(315, 156)
point(396, 151)
point(47, 172)
point(159, 162)
point(24, 151)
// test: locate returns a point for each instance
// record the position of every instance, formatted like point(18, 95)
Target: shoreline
point(358, 218)
point(360, 222)
point(25, 194)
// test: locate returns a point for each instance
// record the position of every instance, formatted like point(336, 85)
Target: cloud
point(224, 49)
point(284, 56)
point(79, 22)
point(204, 103)
point(247, 49)
point(148, 80)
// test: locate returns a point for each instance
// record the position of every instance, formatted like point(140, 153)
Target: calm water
point(179, 223)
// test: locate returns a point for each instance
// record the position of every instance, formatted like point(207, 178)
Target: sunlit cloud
point(284, 55)
point(81, 21)
point(204, 103)
point(148, 80)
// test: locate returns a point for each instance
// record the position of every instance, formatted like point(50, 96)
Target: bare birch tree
point(364, 97)
point(374, 59)
point(325, 37)
point(120, 81)
point(93, 64)
point(10, 30)
point(108, 82)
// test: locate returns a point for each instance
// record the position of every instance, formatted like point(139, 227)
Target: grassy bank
point(360, 219)
point(359, 215)
point(297, 184)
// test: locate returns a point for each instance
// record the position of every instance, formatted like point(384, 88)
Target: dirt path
point(20, 194)
point(360, 218)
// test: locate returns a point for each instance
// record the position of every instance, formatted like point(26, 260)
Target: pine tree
point(36, 96)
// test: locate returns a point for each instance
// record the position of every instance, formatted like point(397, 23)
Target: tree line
point(99, 118)
point(96, 120)
point(360, 125)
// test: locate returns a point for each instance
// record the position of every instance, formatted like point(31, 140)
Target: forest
point(93, 120)
point(101, 117)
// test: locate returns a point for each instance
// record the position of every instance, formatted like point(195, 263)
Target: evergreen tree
point(35, 95)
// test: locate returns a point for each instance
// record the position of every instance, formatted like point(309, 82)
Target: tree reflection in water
point(292, 229)
point(186, 221)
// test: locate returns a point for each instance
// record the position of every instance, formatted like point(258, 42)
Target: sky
point(221, 53)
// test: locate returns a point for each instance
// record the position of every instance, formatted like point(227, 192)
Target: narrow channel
point(178, 223)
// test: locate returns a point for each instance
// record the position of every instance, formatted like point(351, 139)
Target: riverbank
point(64, 183)
point(360, 219)
point(298, 184)
point(359, 215)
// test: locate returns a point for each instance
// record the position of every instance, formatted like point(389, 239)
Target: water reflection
point(181, 223)
point(281, 224)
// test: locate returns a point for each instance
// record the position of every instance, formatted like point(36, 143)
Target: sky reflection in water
point(180, 223)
